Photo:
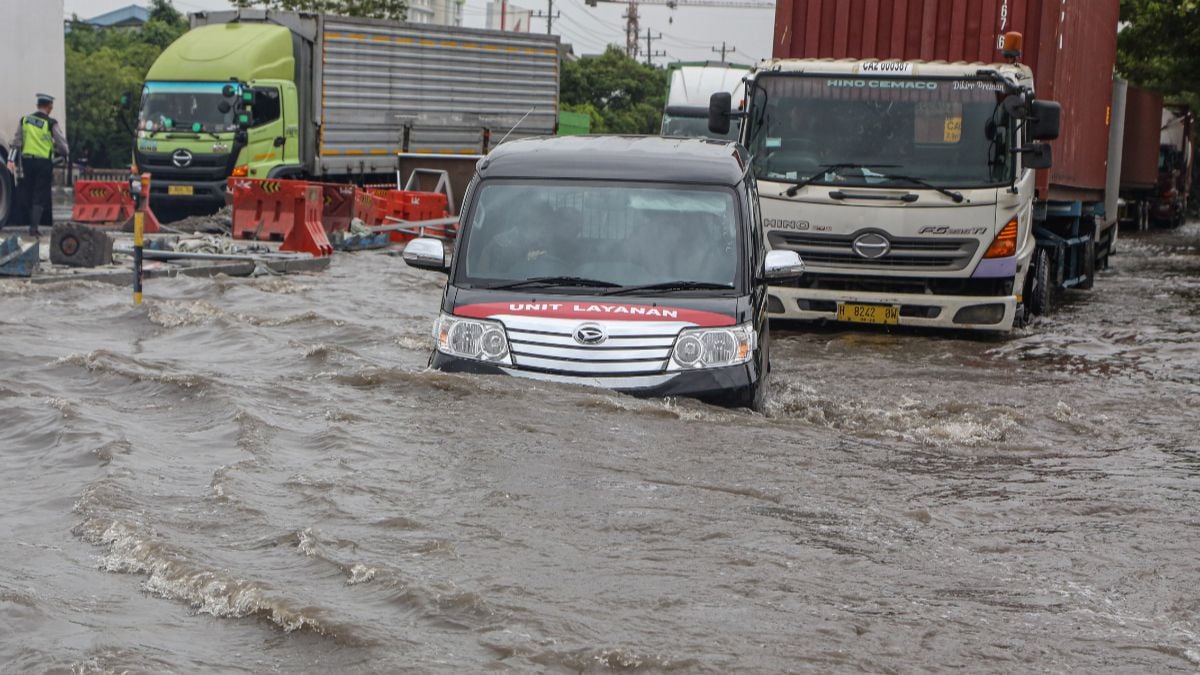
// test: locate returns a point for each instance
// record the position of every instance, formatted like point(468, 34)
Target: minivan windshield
point(610, 235)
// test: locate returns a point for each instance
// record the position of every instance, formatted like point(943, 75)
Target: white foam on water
point(938, 424)
point(170, 574)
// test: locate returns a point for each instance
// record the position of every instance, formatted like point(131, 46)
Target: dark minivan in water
point(632, 263)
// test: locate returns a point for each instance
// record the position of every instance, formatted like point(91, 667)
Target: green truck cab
point(271, 94)
point(221, 101)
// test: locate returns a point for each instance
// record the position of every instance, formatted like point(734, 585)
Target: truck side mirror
point(228, 91)
point(1037, 156)
point(243, 120)
point(720, 105)
point(1044, 121)
point(1017, 106)
point(224, 107)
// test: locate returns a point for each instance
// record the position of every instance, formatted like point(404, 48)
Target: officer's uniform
point(37, 139)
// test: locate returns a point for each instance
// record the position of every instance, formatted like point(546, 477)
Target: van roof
point(638, 158)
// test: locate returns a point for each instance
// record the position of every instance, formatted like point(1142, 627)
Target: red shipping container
point(1139, 154)
point(1071, 47)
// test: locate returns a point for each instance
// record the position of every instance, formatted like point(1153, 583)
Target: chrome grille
point(632, 348)
point(906, 253)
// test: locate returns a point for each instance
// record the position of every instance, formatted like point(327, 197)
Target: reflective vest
point(39, 141)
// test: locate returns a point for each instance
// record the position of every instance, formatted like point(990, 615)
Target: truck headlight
point(471, 339)
point(713, 347)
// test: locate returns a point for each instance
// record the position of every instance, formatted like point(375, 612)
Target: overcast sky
point(691, 36)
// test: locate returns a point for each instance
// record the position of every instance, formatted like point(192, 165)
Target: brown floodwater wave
point(261, 474)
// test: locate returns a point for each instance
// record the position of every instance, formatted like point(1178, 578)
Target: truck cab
point(641, 269)
point(221, 101)
point(908, 188)
point(689, 86)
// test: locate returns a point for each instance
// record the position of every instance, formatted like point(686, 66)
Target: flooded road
point(259, 474)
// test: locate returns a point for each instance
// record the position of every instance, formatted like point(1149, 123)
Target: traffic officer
point(38, 138)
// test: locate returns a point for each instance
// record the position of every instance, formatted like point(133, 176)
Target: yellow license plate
point(179, 190)
point(881, 314)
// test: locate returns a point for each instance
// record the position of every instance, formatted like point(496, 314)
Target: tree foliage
point(372, 9)
point(1159, 47)
point(101, 65)
point(620, 94)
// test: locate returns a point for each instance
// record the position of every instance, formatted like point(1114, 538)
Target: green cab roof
point(247, 51)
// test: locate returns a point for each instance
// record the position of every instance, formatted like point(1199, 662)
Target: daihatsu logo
point(590, 334)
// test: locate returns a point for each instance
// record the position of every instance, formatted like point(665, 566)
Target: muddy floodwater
point(260, 475)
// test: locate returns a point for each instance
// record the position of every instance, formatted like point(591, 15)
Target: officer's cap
point(45, 99)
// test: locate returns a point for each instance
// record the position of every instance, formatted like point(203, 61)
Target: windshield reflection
point(613, 232)
point(947, 132)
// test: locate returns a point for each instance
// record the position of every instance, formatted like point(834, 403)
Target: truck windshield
point(948, 132)
point(169, 106)
point(694, 127)
point(613, 234)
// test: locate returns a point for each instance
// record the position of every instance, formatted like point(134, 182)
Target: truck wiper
point(952, 194)
point(791, 191)
point(670, 286)
point(556, 281)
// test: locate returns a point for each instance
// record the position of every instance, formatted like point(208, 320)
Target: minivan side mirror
point(1044, 121)
point(720, 106)
point(426, 253)
point(783, 265)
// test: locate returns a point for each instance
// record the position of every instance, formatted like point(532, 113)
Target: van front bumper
point(731, 385)
point(990, 313)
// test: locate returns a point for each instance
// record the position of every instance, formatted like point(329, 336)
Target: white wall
point(31, 60)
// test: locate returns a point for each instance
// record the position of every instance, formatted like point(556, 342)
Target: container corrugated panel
point(1143, 117)
point(1071, 47)
point(446, 84)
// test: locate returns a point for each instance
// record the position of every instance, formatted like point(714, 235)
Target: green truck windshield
point(949, 132)
point(168, 106)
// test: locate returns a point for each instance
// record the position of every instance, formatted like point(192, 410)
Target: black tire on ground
point(1039, 298)
point(79, 246)
point(1088, 268)
point(8, 196)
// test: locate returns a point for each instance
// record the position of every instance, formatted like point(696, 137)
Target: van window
point(614, 232)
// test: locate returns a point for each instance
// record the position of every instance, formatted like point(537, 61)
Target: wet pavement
point(259, 474)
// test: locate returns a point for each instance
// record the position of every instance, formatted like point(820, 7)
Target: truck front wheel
point(1040, 294)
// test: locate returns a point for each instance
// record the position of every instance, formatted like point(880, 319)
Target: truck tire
point(7, 196)
point(1088, 268)
point(79, 246)
point(1040, 296)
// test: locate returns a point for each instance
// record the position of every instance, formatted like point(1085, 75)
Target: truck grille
point(908, 254)
point(632, 348)
point(202, 168)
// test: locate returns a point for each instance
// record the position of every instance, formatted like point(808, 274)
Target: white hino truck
point(908, 189)
point(914, 160)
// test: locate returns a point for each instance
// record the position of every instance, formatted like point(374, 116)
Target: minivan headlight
point(713, 347)
point(471, 339)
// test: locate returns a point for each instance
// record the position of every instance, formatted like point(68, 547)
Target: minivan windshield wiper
point(556, 281)
point(670, 286)
point(791, 191)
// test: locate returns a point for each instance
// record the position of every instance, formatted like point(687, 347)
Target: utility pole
point(549, 16)
point(723, 50)
point(650, 53)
